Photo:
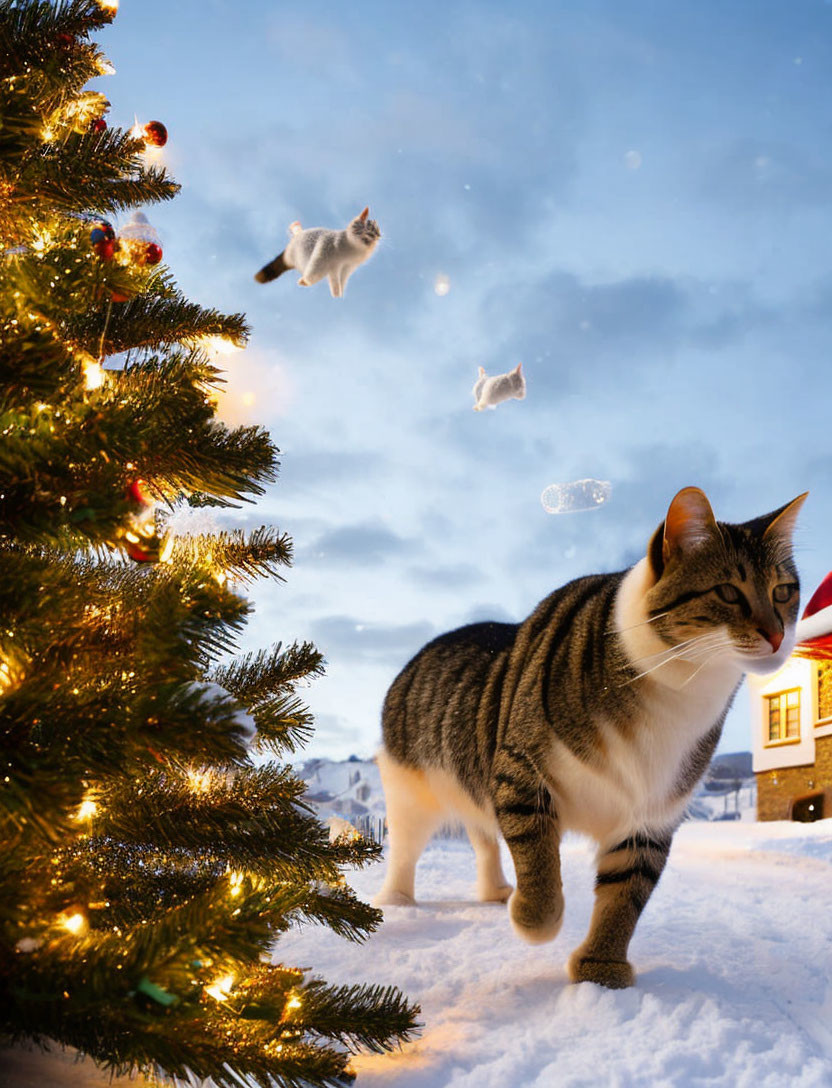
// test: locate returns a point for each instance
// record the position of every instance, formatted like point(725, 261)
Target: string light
point(199, 781)
point(6, 678)
point(10, 675)
point(221, 988)
point(86, 810)
point(293, 1003)
point(42, 240)
point(110, 6)
point(167, 550)
point(218, 345)
point(236, 880)
point(75, 923)
point(94, 373)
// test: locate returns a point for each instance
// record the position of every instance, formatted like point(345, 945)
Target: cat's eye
point(783, 592)
point(728, 593)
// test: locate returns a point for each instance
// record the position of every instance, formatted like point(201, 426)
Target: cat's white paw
point(389, 897)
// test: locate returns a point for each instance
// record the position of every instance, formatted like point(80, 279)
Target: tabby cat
point(320, 252)
point(597, 714)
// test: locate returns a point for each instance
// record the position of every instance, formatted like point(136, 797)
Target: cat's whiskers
point(715, 642)
point(672, 650)
point(653, 668)
point(714, 651)
point(682, 650)
point(633, 626)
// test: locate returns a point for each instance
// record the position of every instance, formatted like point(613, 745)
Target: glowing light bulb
point(219, 345)
point(236, 880)
point(47, 134)
point(167, 550)
point(199, 781)
point(75, 923)
point(86, 810)
point(5, 675)
point(41, 241)
point(293, 1003)
point(94, 374)
point(221, 988)
point(110, 6)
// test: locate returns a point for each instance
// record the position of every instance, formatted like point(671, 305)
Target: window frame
point(783, 708)
point(823, 666)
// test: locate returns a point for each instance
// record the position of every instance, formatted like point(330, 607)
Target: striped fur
point(599, 714)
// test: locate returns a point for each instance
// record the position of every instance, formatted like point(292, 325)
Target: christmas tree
point(147, 861)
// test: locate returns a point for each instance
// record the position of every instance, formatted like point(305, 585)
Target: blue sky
point(633, 199)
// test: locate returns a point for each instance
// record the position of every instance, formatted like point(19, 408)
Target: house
point(791, 722)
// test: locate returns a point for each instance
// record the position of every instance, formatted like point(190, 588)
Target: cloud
point(345, 638)
point(445, 576)
point(481, 613)
point(333, 733)
point(615, 535)
point(304, 468)
point(365, 544)
point(748, 175)
point(570, 332)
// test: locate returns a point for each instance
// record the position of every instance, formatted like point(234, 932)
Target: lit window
point(824, 690)
point(784, 716)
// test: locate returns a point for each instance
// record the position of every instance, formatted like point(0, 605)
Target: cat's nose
point(774, 637)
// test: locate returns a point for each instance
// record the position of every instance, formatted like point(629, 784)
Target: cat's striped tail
point(272, 270)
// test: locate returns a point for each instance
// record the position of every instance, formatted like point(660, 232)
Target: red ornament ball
point(117, 296)
point(106, 248)
point(152, 254)
point(155, 133)
point(138, 492)
point(98, 124)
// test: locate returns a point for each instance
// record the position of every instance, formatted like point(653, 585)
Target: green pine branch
point(147, 865)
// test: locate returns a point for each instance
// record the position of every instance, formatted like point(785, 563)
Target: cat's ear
point(781, 523)
point(517, 369)
point(364, 214)
point(689, 524)
point(482, 371)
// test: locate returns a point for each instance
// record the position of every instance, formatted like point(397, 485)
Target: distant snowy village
point(351, 790)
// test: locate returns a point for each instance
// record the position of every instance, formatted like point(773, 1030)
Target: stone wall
point(776, 789)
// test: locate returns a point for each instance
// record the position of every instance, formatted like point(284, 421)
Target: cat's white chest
point(639, 781)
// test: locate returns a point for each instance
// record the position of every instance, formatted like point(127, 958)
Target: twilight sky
point(633, 199)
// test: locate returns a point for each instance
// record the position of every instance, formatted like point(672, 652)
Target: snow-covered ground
point(733, 954)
